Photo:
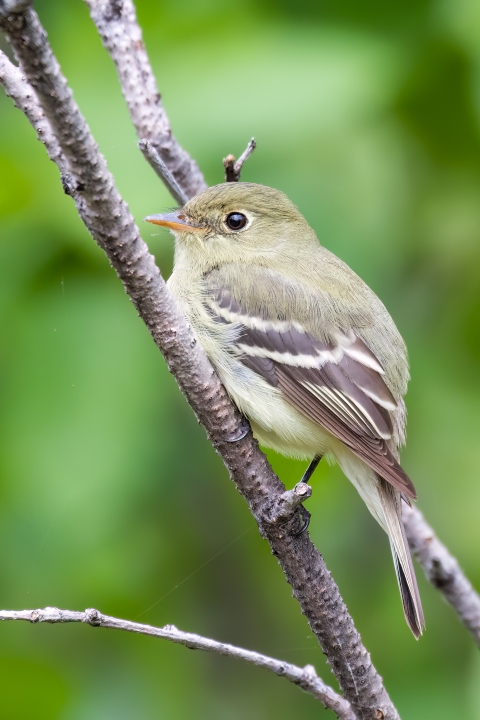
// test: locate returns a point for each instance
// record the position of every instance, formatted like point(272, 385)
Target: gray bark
point(121, 36)
point(443, 570)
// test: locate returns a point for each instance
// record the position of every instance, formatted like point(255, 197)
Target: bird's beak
point(174, 221)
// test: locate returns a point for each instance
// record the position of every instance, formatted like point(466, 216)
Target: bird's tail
point(402, 559)
point(385, 504)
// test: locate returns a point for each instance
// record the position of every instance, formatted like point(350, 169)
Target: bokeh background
point(367, 115)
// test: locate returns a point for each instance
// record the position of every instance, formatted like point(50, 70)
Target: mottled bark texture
point(121, 36)
point(306, 677)
point(10, 7)
point(25, 99)
point(443, 570)
point(108, 219)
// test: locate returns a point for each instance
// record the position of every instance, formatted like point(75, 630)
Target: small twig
point(162, 171)
point(233, 169)
point(306, 677)
point(443, 570)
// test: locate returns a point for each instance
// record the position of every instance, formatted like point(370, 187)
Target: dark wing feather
point(372, 450)
point(339, 386)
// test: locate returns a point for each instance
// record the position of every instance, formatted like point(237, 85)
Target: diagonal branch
point(121, 35)
point(149, 152)
point(107, 218)
point(443, 570)
point(306, 677)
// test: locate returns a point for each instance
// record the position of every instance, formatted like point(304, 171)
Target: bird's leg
point(311, 468)
point(306, 477)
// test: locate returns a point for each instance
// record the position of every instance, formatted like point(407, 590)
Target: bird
point(305, 349)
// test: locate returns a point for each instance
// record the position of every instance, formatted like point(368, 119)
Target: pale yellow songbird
point(306, 350)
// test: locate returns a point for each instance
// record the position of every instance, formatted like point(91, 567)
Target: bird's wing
point(338, 384)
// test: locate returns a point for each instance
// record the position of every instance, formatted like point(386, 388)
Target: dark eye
point(236, 221)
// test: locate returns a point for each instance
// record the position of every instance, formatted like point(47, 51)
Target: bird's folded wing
point(338, 385)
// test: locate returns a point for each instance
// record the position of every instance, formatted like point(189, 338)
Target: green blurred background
point(367, 115)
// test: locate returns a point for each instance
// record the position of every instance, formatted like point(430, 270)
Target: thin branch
point(107, 218)
point(162, 171)
point(121, 36)
point(233, 169)
point(443, 570)
point(306, 677)
point(25, 99)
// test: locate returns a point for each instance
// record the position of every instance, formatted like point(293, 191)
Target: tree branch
point(306, 677)
point(121, 36)
point(107, 218)
point(442, 570)
point(12, 7)
point(25, 99)
point(233, 169)
point(162, 171)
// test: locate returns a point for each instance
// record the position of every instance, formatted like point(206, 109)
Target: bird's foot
point(240, 432)
point(305, 515)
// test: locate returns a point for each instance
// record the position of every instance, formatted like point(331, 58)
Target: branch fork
point(233, 169)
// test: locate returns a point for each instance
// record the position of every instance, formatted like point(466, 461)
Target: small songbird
point(305, 349)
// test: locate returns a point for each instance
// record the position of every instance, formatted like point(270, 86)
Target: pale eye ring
point(236, 221)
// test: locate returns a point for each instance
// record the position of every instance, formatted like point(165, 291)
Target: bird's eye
point(236, 221)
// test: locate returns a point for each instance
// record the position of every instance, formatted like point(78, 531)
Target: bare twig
point(442, 570)
point(233, 169)
point(162, 171)
point(107, 218)
point(121, 35)
point(306, 677)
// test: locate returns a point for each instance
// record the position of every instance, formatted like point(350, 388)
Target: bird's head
point(237, 221)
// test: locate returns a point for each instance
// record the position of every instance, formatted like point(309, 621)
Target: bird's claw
point(305, 515)
point(239, 432)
